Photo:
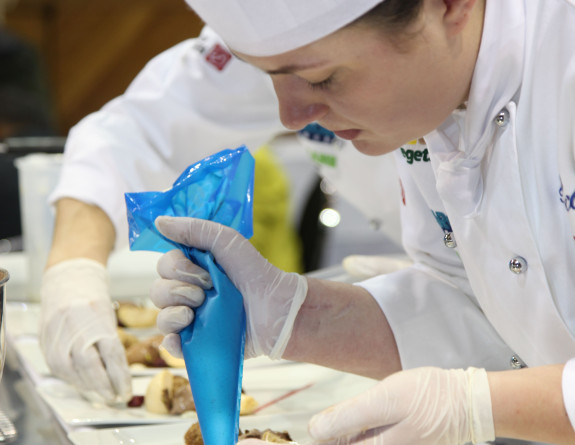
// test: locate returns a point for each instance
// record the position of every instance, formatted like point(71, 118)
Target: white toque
point(270, 27)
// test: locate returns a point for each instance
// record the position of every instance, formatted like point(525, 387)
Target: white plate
point(296, 388)
point(22, 319)
point(28, 349)
point(295, 424)
point(72, 409)
point(23, 324)
point(312, 388)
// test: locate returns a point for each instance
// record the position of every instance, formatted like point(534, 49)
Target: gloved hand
point(78, 331)
point(420, 406)
point(272, 297)
point(366, 266)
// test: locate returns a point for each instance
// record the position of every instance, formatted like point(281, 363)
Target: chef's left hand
point(420, 406)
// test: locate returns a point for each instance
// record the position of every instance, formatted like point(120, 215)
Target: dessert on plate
point(171, 394)
point(132, 315)
point(193, 435)
point(147, 352)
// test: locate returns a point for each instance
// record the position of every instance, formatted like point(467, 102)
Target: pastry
point(131, 315)
point(169, 394)
point(266, 435)
point(149, 353)
point(126, 338)
point(146, 352)
point(172, 395)
point(193, 435)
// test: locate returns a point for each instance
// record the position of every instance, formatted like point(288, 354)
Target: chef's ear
point(457, 14)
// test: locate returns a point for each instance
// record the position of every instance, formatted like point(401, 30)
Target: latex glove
point(419, 406)
point(272, 297)
point(367, 266)
point(78, 331)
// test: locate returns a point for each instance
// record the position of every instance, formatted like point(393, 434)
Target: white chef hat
point(270, 27)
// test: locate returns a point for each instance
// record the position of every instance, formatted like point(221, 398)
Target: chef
point(487, 212)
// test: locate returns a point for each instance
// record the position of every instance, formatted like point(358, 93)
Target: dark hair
point(393, 17)
point(394, 14)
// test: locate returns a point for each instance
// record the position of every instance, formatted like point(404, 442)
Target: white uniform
point(499, 186)
point(497, 179)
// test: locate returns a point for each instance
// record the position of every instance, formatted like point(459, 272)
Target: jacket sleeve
point(435, 319)
point(188, 102)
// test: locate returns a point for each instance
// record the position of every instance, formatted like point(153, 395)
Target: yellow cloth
point(274, 235)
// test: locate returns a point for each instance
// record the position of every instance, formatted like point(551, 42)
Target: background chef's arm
point(81, 231)
point(349, 321)
point(528, 404)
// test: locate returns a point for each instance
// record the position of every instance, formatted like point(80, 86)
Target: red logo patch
point(218, 56)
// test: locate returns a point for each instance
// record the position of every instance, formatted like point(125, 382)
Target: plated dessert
point(132, 315)
point(147, 352)
point(171, 394)
point(193, 435)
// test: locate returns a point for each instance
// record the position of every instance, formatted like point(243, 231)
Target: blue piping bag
point(218, 188)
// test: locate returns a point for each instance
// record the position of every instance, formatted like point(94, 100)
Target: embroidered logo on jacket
point(567, 199)
point(315, 132)
point(320, 143)
point(412, 155)
point(443, 221)
point(218, 56)
point(415, 155)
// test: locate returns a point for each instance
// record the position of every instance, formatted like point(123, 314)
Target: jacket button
point(449, 240)
point(502, 119)
point(516, 363)
point(517, 265)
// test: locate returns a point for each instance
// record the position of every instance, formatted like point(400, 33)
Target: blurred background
point(88, 51)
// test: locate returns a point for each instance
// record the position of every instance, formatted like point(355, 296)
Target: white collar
point(496, 81)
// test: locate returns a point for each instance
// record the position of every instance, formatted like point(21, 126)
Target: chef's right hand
point(78, 331)
point(272, 297)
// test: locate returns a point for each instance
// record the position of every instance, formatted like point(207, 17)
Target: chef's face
point(371, 89)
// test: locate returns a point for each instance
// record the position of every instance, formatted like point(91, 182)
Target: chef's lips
point(218, 188)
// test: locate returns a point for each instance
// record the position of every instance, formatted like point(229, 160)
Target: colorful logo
point(320, 143)
point(315, 132)
point(443, 221)
point(412, 156)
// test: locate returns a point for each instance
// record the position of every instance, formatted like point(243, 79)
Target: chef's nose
point(299, 105)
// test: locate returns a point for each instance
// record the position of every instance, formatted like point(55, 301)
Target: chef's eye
point(324, 84)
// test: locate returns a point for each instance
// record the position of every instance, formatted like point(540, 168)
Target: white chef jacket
point(496, 189)
point(499, 185)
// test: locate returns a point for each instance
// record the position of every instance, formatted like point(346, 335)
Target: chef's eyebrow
point(287, 69)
